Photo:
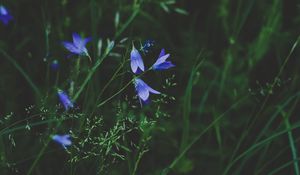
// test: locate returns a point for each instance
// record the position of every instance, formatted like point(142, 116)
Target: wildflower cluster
point(137, 67)
point(107, 143)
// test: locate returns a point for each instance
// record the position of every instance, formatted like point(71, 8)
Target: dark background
point(243, 46)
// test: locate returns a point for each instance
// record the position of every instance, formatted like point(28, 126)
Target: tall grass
point(229, 106)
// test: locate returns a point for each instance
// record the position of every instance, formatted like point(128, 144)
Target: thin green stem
point(267, 97)
point(111, 79)
point(89, 76)
point(117, 93)
point(121, 90)
point(42, 150)
point(20, 69)
point(197, 138)
point(98, 63)
point(131, 18)
point(292, 144)
point(257, 145)
point(276, 170)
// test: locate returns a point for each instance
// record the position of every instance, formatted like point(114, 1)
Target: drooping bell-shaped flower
point(136, 61)
point(63, 140)
point(64, 99)
point(5, 16)
point(78, 45)
point(143, 90)
point(161, 63)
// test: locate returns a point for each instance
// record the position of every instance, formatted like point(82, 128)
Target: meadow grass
point(229, 106)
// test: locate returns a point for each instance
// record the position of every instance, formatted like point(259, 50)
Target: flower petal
point(162, 53)
point(64, 99)
point(64, 140)
point(77, 40)
point(161, 62)
point(143, 89)
point(162, 59)
point(136, 60)
point(86, 40)
point(141, 64)
point(153, 91)
point(71, 47)
point(3, 10)
point(163, 66)
point(5, 18)
point(143, 93)
point(134, 66)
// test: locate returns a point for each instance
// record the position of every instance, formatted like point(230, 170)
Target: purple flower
point(161, 62)
point(64, 140)
point(78, 45)
point(143, 90)
point(5, 16)
point(54, 65)
point(64, 99)
point(136, 61)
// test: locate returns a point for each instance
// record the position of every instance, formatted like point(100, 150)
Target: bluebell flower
point(64, 99)
point(147, 45)
point(136, 61)
point(143, 90)
point(54, 65)
point(161, 62)
point(78, 45)
point(64, 140)
point(5, 16)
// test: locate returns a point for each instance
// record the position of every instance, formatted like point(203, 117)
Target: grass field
point(149, 87)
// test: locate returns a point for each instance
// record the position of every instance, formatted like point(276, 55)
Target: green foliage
point(230, 106)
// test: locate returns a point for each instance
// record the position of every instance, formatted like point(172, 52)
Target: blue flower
point(143, 90)
point(136, 61)
point(64, 140)
point(78, 45)
point(161, 62)
point(54, 65)
point(64, 99)
point(5, 17)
